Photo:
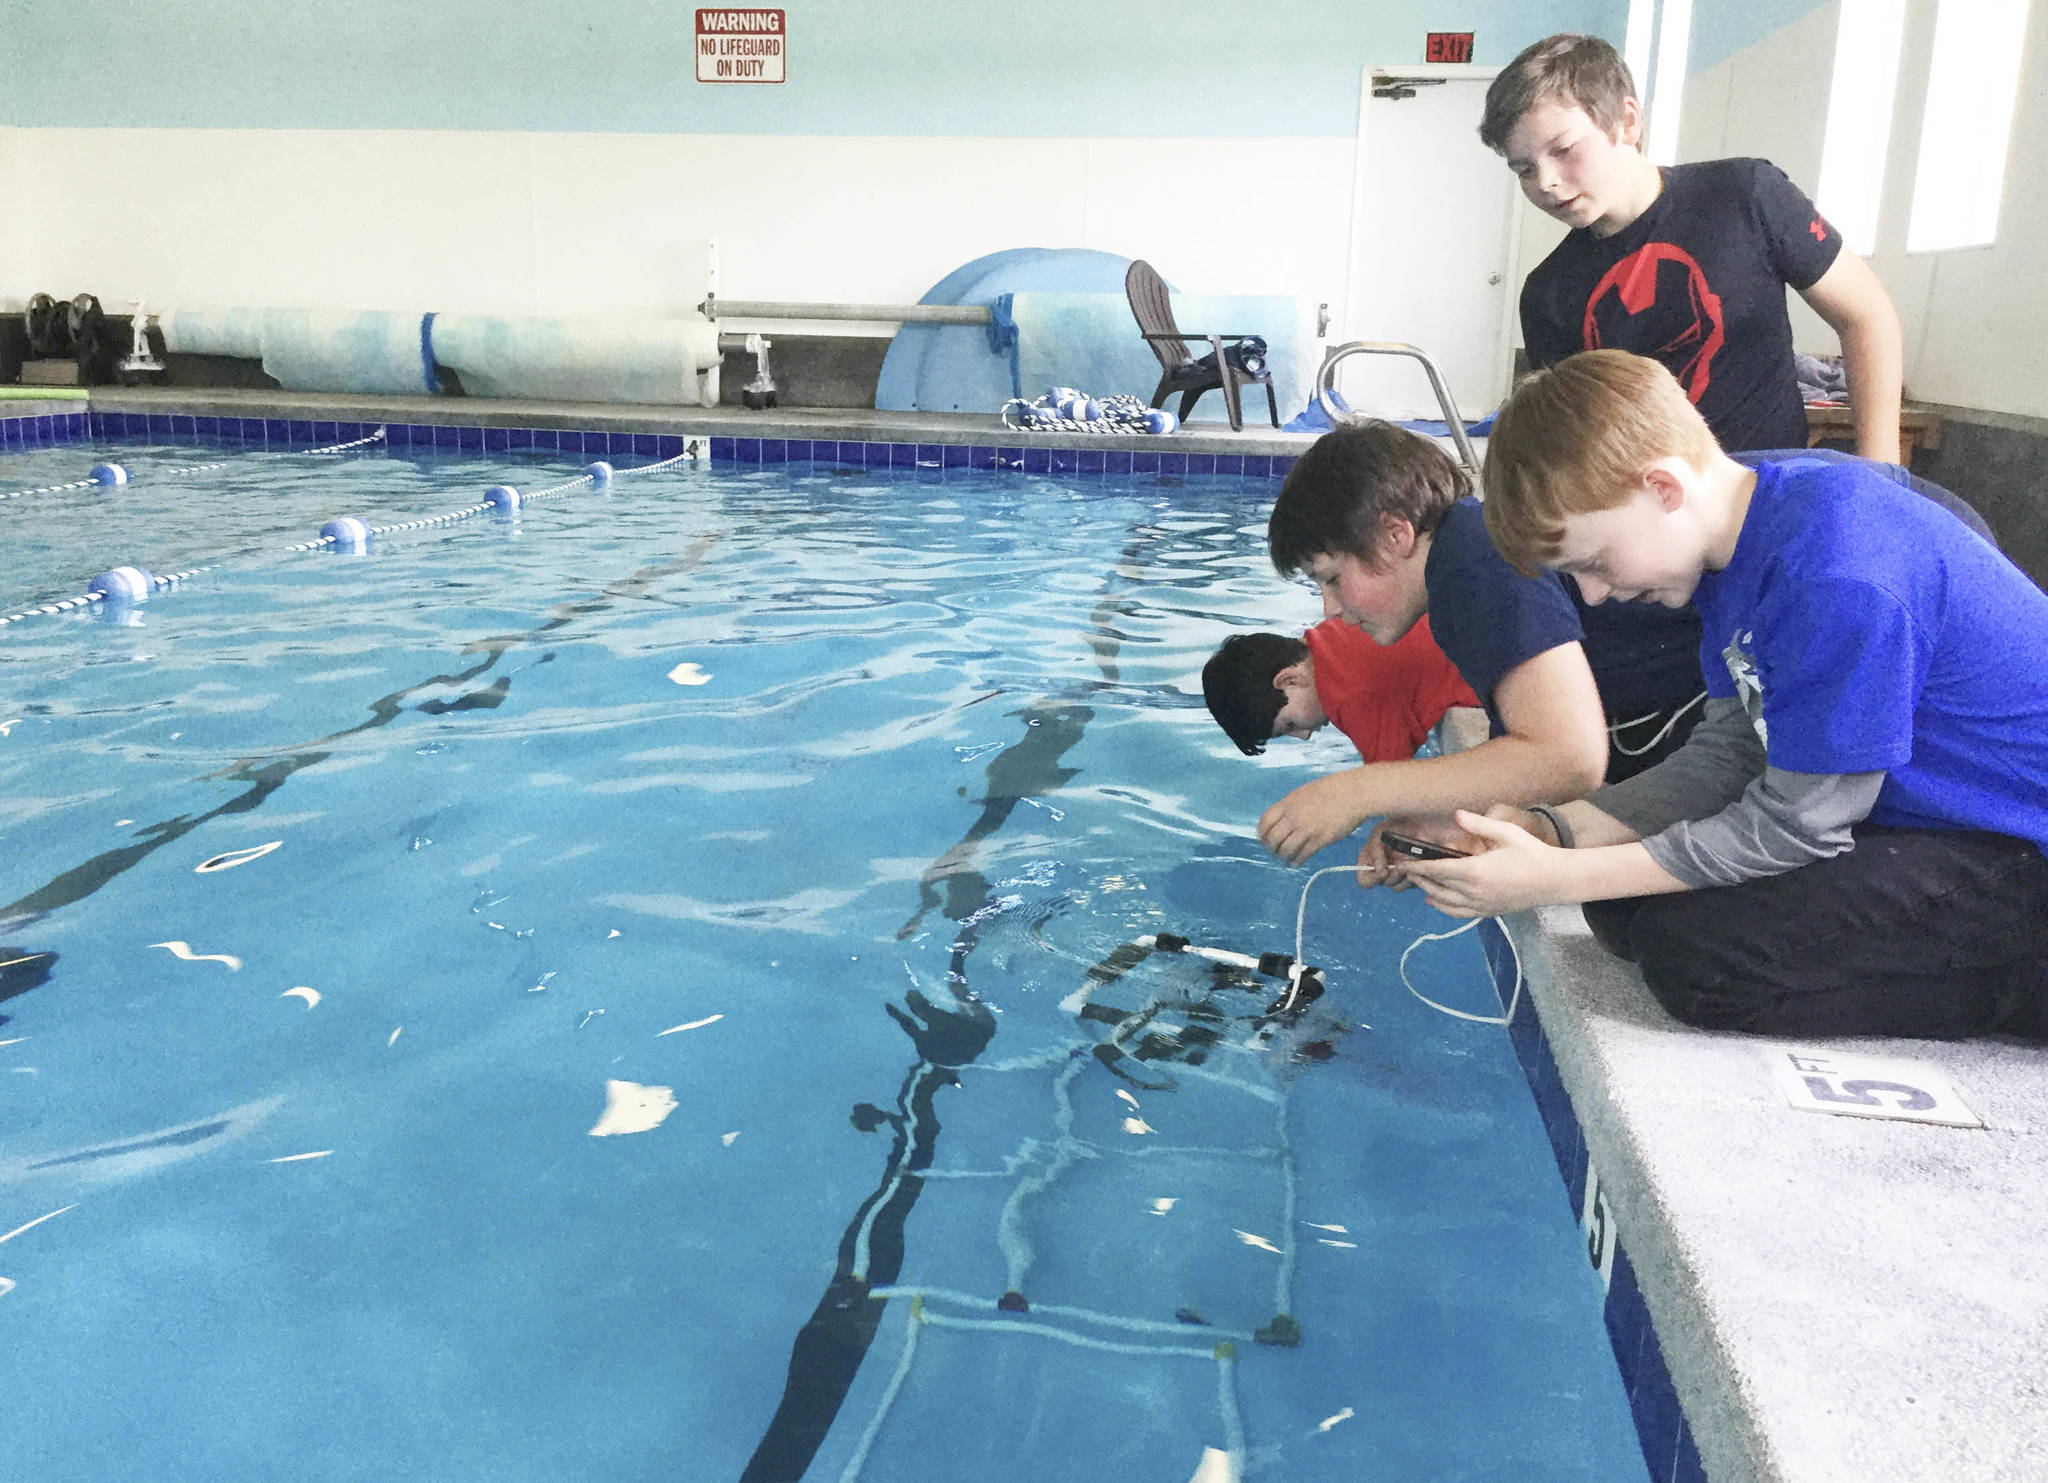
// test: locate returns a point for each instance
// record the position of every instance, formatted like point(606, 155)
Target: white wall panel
point(1975, 320)
point(320, 218)
point(1230, 215)
point(593, 223)
point(12, 242)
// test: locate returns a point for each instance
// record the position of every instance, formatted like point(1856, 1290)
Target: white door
point(1433, 242)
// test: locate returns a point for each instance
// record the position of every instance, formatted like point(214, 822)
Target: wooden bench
point(1835, 422)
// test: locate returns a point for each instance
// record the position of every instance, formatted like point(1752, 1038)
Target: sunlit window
point(1642, 16)
point(1860, 102)
point(1674, 32)
point(1972, 86)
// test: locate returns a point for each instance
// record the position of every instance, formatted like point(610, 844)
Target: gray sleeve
point(1782, 820)
point(1720, 759)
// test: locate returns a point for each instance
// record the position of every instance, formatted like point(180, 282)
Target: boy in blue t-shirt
point(1851, 842)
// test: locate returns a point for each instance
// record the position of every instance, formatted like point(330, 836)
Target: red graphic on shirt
point(1820, 232)
point(1656, 302)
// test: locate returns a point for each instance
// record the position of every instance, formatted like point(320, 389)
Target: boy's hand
point(1312, 816)
point(1380, 866)
point(1514, 872)
point(1527, 820)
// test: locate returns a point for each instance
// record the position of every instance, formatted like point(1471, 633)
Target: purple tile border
point(31, 429)
point(288, 434)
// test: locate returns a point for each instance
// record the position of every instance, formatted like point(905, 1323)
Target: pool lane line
point(319, 543)
point(914, 1322)
point(267, 772)
point(91, 483)
point(50, 489)
point(1223, 1352)
point(1013, 1240)
point(87, 599)
point(970, 1301)
point(589, 477)
point(830, 1347)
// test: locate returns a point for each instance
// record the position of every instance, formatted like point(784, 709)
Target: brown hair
point(1349, 482)
point(1575, 439)
point(1565, 68)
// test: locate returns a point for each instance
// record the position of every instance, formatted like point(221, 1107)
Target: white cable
point(1614, 732)
point(1514, 999)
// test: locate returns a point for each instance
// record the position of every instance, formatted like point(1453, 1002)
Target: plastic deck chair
point(1222, 368)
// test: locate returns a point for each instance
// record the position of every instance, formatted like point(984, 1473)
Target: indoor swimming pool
point(655, 985)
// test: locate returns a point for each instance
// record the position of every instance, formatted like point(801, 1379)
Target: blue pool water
point(608, 992)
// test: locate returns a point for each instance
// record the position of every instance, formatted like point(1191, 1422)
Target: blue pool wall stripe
point(1661, 1424)
point(32, 429)
point(299, 433)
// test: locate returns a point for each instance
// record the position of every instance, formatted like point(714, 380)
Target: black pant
point(1931, 933)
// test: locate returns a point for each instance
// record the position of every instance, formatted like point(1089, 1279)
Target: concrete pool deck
point(1834, 1297)
point(946, 428)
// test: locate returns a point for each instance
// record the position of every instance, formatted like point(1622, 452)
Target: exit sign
point(1447, 46)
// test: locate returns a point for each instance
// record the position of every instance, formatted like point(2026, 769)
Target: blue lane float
point(502, 497)
point(346, 533)
point(108, 473)
point(600, 472)
point(123, 584)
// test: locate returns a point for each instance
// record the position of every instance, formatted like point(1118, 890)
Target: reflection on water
point(698, 879)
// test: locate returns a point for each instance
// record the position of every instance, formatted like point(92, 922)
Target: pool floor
point(655, 984)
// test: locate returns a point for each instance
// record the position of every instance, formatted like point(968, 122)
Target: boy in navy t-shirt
point(1383, 522)
point(1852, 840)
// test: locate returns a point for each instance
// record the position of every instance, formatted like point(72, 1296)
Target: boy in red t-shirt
point(1386, 698)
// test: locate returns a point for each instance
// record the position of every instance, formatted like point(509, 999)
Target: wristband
point(1557, 824)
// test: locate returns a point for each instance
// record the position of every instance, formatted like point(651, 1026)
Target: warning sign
point(741, 46)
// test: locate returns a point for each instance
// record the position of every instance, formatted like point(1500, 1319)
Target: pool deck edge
point(946, 428)
point(1833, 1296)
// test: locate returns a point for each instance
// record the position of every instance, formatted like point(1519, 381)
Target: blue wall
point(1719, 31)
point(1072, 68)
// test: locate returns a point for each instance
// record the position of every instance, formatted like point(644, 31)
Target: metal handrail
point(1326, 382)
point(717, 308)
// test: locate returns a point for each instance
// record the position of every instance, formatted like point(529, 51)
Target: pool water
point(626, 989)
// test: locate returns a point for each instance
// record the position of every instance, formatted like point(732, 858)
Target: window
point(1674, 32)
point(1642, 16)
point(1972, 87)
point(1859, 126)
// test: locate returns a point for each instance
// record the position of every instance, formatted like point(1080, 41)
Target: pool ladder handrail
point(1326, 381)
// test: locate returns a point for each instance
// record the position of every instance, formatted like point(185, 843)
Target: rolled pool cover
point(394, 352)
point(664, 361)
point(375, 351)
point(204, 331)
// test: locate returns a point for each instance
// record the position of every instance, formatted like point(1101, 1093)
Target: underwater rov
point(1156, 1036)
point(1158, 1032)
point(1304, 984)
